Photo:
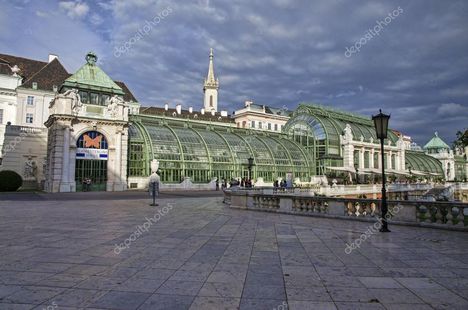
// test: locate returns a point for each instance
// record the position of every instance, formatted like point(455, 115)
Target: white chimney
point(190, 109)
point(213, 112)
point(52, 57)
point(178, 108)
point(166, 106)
point(224, 113)
point(202, 111)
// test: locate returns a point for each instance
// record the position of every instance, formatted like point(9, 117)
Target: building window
point(30, 100)
point(211, 101)
point(244, 124)
point(253, 124)
point(94, 98)
point(104, 99)
point(269, 126)
point(260, 125)
point(84, 97)
point(1, 116)
point(276, 127)
point(29, 118)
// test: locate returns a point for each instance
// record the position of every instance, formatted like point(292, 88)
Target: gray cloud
point(283, 52)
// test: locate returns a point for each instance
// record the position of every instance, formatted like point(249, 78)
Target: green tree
point(462, 139)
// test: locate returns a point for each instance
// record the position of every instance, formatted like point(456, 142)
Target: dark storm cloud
point(283, 52)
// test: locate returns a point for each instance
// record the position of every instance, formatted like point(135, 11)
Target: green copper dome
point(436, 143)
point(91, 77)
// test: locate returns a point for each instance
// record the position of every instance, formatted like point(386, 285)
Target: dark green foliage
point(462, 139)
point(10, 181)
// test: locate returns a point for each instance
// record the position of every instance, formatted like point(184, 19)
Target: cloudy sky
point(412, 63)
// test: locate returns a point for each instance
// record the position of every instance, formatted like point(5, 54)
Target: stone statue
point(154, 169)
point(30, 169)
point(74, 96)
point(348, 133)
point(113, 105)
point(400, 143)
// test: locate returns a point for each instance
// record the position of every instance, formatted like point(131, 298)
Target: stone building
point(27, 89)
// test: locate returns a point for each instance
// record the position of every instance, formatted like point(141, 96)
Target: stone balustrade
point(447, 215)
point(15, 129)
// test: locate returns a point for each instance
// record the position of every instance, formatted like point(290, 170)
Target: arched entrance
point(91, 162)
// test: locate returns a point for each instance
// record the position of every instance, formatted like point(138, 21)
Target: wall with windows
point(260, 122)
point(33, 107)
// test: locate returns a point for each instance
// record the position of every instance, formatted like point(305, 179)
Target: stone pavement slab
point(104, 253)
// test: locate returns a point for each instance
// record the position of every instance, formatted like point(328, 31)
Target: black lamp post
point(381, 127)
point(249, 166)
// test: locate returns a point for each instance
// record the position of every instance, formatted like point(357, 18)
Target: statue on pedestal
point(154, 181)
point(30, 169)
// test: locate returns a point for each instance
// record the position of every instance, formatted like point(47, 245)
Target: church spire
point(210, 87)
point(210, 79)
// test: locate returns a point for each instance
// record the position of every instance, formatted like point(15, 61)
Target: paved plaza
point(114, 251)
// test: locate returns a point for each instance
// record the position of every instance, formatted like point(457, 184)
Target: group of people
point(245, 182)
point(86, 184)
point(282, 184)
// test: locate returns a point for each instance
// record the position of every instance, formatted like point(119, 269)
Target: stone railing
point(448, 215)
point(15, 129)
point(338, 190)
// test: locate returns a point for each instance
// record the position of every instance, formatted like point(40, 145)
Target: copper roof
point(45, 74)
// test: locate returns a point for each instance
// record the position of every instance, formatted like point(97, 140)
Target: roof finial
point(91, 58)
point(436, 134)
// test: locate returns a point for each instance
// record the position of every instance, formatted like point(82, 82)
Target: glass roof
point(418, 161)
point(202, 146)
point(328, 124)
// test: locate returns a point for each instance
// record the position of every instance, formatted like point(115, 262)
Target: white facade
point(256, 117)
point(8, 104)
point(65, 126)
point(33, 107)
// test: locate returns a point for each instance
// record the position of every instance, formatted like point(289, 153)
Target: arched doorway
point(91, 162)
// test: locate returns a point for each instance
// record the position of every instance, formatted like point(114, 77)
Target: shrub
point(10, 181)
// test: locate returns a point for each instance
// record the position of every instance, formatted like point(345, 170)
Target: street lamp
point(381, 127)
point(249, 166)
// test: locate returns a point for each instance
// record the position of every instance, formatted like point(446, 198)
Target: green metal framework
point(418, 161)
point(318, 129)
point(202, 151)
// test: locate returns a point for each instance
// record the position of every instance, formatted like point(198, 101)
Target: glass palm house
point(202, 150)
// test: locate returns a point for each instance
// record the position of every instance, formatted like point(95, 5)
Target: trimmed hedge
point(10, 181)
